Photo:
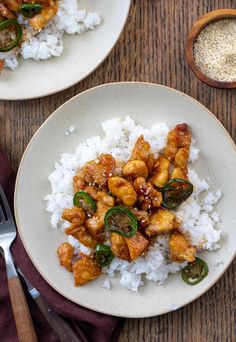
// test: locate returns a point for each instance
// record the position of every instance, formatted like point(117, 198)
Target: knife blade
point(61, 328)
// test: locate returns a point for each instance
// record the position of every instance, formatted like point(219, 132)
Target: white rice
point(197, 215)
point(49, 42)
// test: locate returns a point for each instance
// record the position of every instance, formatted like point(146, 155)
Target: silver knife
point(61, 328)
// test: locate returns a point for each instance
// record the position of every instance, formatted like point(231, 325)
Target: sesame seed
point(215, 50)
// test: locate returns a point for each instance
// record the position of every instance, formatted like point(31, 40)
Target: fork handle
point(24, 324)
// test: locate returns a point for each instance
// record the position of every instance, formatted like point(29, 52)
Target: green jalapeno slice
point(175, 192)
point(30, 9)
point(83, 200)
point(195, 271)
point(104, 255)
point(121, 220)
point(5, 24)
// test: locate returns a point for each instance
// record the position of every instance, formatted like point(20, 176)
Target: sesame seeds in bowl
point(211, 48)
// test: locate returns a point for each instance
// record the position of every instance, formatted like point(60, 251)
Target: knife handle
point(59, 325)
point(24, 324)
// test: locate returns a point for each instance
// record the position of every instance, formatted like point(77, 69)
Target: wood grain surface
point(152, 49)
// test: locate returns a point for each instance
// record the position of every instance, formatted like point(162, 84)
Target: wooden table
point(150, 49)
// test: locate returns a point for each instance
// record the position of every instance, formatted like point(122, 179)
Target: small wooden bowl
point(195, 31)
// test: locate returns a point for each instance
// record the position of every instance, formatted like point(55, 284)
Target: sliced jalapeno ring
point(121, 220)
point(30, 9)
point(104, 255)
point(5, 24)
point(175, 192)
point(83, 200)
point(195, 271)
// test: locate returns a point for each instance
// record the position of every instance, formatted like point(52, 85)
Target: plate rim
point(80, 79)
point(133, 83)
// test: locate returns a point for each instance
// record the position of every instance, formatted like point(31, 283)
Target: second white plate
point(82, 55)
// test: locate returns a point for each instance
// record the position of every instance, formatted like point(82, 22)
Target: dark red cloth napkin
point(90, 326)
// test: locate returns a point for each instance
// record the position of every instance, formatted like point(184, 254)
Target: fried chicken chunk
point(100, 196)
point(142, 151)
point(134, 169)
point(179, 137)
point(49, 10)
point(85, 270)
point(5, 12)
point(163, 221)
point(95, 224)
point(160, 173)
point(148, 197)
point(74, 215)
point(119, 246)
point(95, 172)
point(181, 158)
point(13, 5)
point(65, 253)
point(180, 248)
point(137, 245)
point(122, 189)
point(80, 233)
point(142, 217)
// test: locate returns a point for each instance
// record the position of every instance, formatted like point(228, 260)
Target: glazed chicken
point(180, 248)
point(177, 150)
point(162, 221)
point(49, 10)
point(13, 5)
point(5, 12)
point(96, 172)
point(85, 269)
point(10, 8)
point(65, 252)
point(121, 208)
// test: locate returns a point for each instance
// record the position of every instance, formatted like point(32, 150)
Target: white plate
point(82, 55)
point(146, 103)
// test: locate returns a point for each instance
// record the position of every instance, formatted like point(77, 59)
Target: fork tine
point(2, 216)
point(6, 205)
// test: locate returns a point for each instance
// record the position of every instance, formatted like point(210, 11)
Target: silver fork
point(24, 324)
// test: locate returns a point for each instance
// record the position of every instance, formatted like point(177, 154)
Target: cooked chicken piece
point(65, 252)
point(13, 5)
point(163, 221)
point(134, 169)
point(49, 10)
point(142, 217)
point(95, 172)
point(179, 173)
point(78, 181)
point(181, 158)
point(122, 189)
point(181, 164)
point(85, 269)
point(100, 196)
point(160, 173)
point(142, 151)
point(74, 215)
point(95, 224)
point(137, 245)
point(80, 233)
point(180, 248)
point(5, 12)
point(179, 137)
point(119, 246)
point(148, 197)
